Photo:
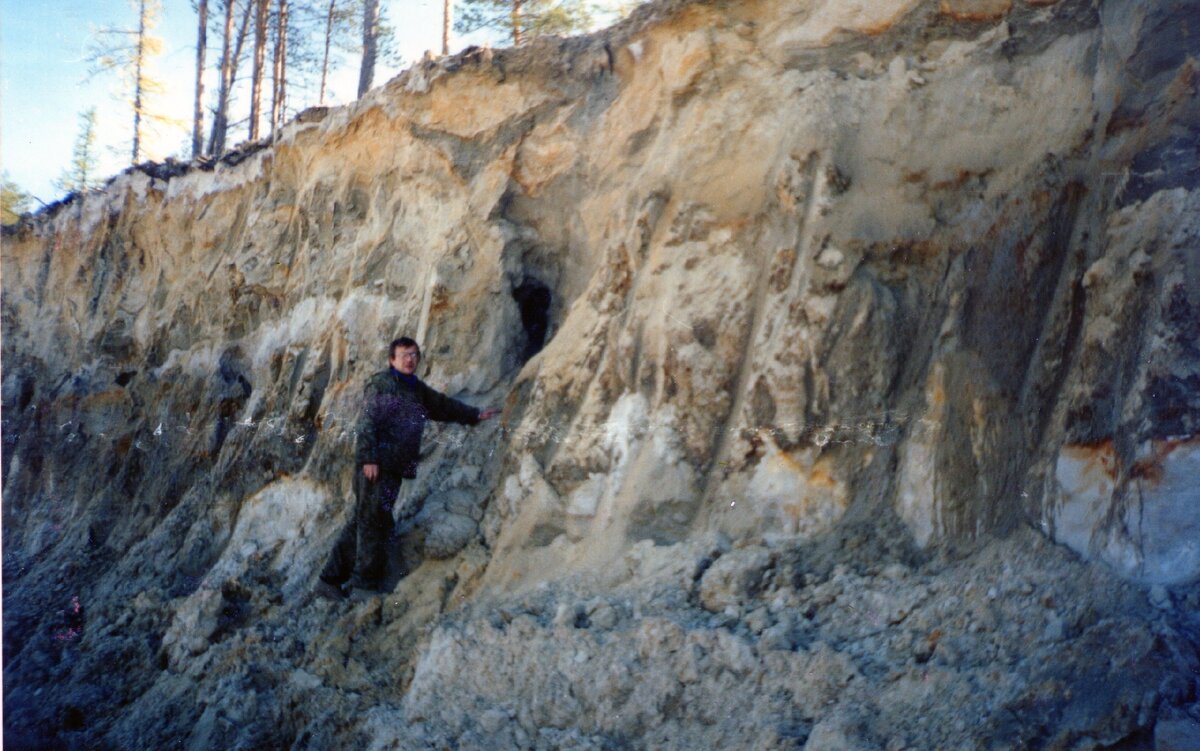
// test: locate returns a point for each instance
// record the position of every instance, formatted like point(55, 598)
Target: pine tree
point(301, 40)
point(81, 174)
point(233, 41)
point(131, 52)
point(370, 27)
point(279, 80)
point(343, 36)
point(216, 139)
point(329, 19)
point(198, 102)
point(522, 20)
point(261, 21)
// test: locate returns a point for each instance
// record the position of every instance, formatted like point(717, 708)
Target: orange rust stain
point(1020, 250)
point(124, 444)
point(976, 10)
point(734, 225)
point(938, 397)
point(924, 249)
point(1101, 456)
point(788, 460)
point(876, 29)
point(1151, 469)
point(691, 18)
point(693, 61)
point(821, 475)
point(106, 397)
point(1120, 123)
point(439, 300)
point(960, 179)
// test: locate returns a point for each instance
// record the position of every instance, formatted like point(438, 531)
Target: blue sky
point(44, 86)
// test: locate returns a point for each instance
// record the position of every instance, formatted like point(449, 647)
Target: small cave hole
point(73, 718)
point(124, 377)
point(28, 389)
point(533, 301)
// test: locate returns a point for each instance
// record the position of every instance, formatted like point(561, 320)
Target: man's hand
point(488, 413)
point(371, 471)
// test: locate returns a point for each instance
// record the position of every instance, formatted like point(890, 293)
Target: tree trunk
point(445, 27)
point(516, 23)
point(216, 141)
point(138, 82)
point(256, 76)
point(279, 94)
point(229, 65)
point(370, 40)
point(243, 28)
point(325, 61)
point(198, 108)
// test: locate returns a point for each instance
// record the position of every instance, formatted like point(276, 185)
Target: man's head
point(404, 355)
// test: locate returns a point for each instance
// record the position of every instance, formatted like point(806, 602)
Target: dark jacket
point(393, 417)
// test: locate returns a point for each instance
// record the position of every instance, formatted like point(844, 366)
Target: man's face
point(405, 359)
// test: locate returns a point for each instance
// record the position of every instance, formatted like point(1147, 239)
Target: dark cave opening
point(533, 301)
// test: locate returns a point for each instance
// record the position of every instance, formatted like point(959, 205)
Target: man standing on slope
point(396, 405)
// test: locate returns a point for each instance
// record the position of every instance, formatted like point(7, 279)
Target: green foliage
point(13, 200)
point(81, 173)
point(533, 18)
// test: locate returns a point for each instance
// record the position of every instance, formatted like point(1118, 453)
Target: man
point(396, 405)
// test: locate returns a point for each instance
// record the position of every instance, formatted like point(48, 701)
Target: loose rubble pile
point(856, 642)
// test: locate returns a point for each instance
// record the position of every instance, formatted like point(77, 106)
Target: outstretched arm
point(445, 409)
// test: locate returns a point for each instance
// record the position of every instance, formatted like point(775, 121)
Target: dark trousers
point(360, 555)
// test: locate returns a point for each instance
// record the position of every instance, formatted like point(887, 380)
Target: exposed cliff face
point(825, 290)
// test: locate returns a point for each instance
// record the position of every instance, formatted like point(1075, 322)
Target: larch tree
point(13, 200)
point(130, 52)
point(81, 172)
point(446, 14)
